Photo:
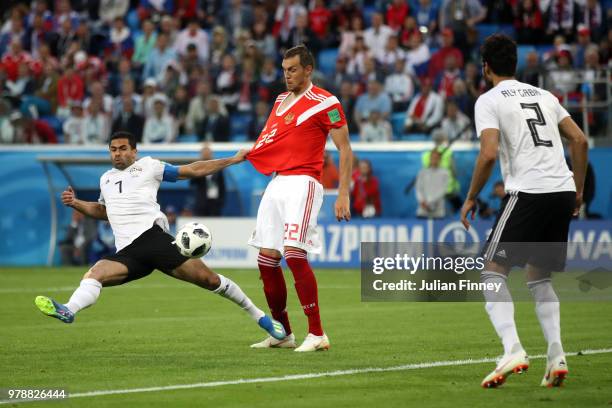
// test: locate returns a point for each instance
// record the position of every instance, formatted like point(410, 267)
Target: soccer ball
point(193, 240)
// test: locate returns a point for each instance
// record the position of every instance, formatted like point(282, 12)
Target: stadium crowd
point(207, 70)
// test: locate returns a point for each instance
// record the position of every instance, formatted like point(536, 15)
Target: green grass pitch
point(161, 332)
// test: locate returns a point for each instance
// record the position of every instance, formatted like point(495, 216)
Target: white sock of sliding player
point(547, 310)
point(85, 295)
point(230, 290)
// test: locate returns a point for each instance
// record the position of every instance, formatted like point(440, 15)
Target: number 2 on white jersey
point(267, 138)
point(532, 123)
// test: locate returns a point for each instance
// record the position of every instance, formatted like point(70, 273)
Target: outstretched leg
point(103, 273)
point(196, 272)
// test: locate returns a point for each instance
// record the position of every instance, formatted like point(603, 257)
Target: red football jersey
point(293, 140)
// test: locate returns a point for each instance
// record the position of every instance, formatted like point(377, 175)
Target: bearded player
point(291, 145)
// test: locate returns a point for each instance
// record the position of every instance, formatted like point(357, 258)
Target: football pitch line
point(308, 376)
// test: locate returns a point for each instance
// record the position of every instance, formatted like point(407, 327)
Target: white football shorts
point(287, 214)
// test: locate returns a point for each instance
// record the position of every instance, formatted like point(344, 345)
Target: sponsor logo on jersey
point(289, 118)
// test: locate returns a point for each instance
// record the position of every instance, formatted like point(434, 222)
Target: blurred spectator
point(264, 41)
point(121, 43)
point(286, 16)
point(301, 34)
point(260, 117)
point(407, 30)
point(215, 126)
point(32, 131)
point(128, 120)
point(387, 56)
point(377, 36)
point(498, 11)
point(227, 84)
point(75, 131)
point(455, 123)
point(97, 94)
point(561, 17)
point(74, 248)
point(464, 100)
point(460, 16)
point(193, 34)
point(329, 175)
point(127, 91)
point(346, 96)
point(365, 196)
point(442, 145)
point(431, 185)
point(340, 73)
point(376, 129)
point(400, 87)
point(533, 71)
point(116, 79)
point(445, 79)
point(436, 64)
point(319, 18)
point(13, 58)
point(145, 43)
point(109, 10)
point(397, 10)
point(358, 57)
point(197, 107)
point(70, 87)
point(592, 16)
point(584, 40)
point(426, 13)
point(349, 36)
point(159, 58)
point(43, 101)
point(15, 34)
point(373, 99)
point(345, 13)
point(528, 22)
point(179, 108)
point(237, 16)
point(562, 78)
point(97, 124)
point(172, 78)
point(148, 92)
point(218, 47)
point(473, 81)
point(160, 126)
point(595, 89)
point(22, 85)
point(425, 111)
point(37, 35)
point(418, 52)
point(209, 190)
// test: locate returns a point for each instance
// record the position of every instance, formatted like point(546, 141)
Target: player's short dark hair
point(303, 52)
point(499, 52)
point(124, 135)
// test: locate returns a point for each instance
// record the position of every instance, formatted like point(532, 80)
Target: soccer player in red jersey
point(291, 145)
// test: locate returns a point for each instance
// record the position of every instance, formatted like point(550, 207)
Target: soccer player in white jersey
point(128, 200)
point(526, 125)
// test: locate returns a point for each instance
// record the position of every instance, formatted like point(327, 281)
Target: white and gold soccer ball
point(193, 240)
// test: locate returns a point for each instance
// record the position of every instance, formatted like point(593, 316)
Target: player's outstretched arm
point(489, 142)
point(579, 147)
point(341, 139)
point(203, 168)
point(88, 208)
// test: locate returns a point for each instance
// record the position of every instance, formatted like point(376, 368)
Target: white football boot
point(556, 371)
point(271, 342)
point(314, 343)
point(515, 362)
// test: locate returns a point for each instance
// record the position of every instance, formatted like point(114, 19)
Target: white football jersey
point(530, 148)
point(130, 197)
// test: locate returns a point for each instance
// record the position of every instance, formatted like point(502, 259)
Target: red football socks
point(274, 288)
point(306, 287)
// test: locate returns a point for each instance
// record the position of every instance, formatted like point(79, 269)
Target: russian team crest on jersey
point(289, 118)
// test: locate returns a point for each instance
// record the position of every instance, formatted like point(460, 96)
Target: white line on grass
point(338, 373)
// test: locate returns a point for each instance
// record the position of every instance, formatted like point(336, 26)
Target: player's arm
point(579, 147)
point(489, 142)
point(340, 136)
point(88, 208)
point(203, 168)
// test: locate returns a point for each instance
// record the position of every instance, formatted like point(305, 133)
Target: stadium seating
point(327, 61)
